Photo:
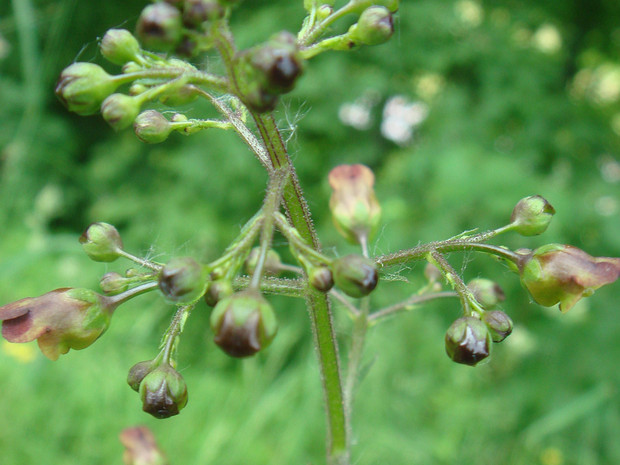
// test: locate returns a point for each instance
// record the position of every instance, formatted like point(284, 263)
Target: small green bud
point(321, 278)
point(196, 12)
point(119, 46)
point(532, 215)
point(137, 89)
point(113, 283)
point(243, 323)
point(361, 5)
point(151, 127)
point(163, 392)
point(323, 12)
point(488, 293)
point(182, 280)
point(218, 290)
point(468, 341)
point(160, 27)
point(271, 266)
point(375, 26)
point(101, 242)
point(83, 86)
point(180, 96)
point(355, 275)
point(120, 110)
point(131, 67)
point(498, 323)
point(138, 372)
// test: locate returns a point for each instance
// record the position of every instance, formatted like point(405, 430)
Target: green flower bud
point(323, 12)
point(196, 12)
point(243, 323)
point(181, 96)
point(138, 372)
point(563, 274)
point(152, 127)
point(498, 323)
point(163, 392)
point(488, 293)
point(101, 242)
point(218, 290)
point(353, 203)
point(532, 215)
point(468, 341)
point(271, 266)
point(137, 89)
point(182, 280)
point(119, 46)
point(113, 283)
point(375, 26)
point(160, 27)
point(131, 67)
point(355, 275)
point(83, 86)
point(321, 278)
point(120, 110)
point(60, 320)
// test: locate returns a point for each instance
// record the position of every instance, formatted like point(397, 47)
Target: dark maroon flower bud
point(243, 323)
point(468, 341)
point(355, 275)
point(163, 392)
point(218, 290)
point(138, 372)
point(196, 12)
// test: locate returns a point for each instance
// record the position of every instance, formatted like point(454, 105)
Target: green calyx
point(83, 86)
point(119, 46)
point(498, 323)
point(163, 392)
point(182, 280)
point(375, 26)
point(152, 127)
point(487, 293)
point(120, 110)
point(531, 216)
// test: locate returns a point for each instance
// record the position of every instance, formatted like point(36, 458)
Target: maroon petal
point(21, 329)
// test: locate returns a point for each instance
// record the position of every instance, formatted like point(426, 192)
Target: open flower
point(60, 320)
point(563, 274)
point(353, 203)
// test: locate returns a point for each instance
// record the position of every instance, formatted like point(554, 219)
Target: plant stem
point(380, 315)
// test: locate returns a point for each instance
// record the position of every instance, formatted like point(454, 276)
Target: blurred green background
point(499, 100)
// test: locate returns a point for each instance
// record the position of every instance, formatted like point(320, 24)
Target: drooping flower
point(355, 209)
point(563, 274)
point(60, 320)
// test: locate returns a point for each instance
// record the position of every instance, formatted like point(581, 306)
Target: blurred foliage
point(523, 97)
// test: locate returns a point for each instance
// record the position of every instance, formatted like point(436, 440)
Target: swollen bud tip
point(531, 216)
point(375, 26)
point(101, 242)
point(83, 86)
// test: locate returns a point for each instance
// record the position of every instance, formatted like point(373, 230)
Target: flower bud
point(271, 266)
point(119, 46)
point(176, 97)
point(563, 274)
point(488, 293)
point(152, 127)
point(531, 216)
point(163, 392)
point(354, 206)
point(268, 70)
point(113, 283)
point(355, 275)
point(101, 242)
point(160, 27)
point(218, 290)
point(375, 26)
point(60, 320)
point(141, 447)
point(196, 12)
point(468, 341)
point(120, 110)
point(243, 323)
point(498, 323)
point(138, 372)
point(83, 86)
point(182, 280)
point(321, 278)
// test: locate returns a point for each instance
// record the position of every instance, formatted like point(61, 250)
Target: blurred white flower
point(429, 85)
point(547, 39)
point(610, 169)
point(606, 205)
point(469, 12)
point(358, 114)
point(600, 84)
point(400, 117)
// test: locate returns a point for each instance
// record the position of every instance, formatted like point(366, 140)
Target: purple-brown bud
point(498, 323)
point(563, 274)
point(182, 280)
point(355, 275)
point(243, 323)
point(60, 320)
point(321, 278)
point(163, 392)
point(160, 27)
point(468, 341)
